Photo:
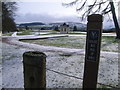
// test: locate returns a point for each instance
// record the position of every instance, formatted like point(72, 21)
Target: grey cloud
point(44, 18)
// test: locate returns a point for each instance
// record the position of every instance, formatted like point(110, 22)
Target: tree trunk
point(117, 28)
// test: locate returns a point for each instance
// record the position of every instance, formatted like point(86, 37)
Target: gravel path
point(12, 76)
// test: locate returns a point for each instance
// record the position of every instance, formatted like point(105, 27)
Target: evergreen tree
point(56, 28)
point(8, 13)
point(75, 28)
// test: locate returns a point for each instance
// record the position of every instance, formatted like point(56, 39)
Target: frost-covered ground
point(69, 64)
point(12, 74)
point(64, 70)
point(0, 65)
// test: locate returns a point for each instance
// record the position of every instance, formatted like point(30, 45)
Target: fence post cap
point(95, 18)
point(34, 58)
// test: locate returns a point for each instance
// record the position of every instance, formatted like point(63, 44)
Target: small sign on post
point(93, 43)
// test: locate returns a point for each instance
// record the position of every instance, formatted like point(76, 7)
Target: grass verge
point(7, 34)
point(108, 43)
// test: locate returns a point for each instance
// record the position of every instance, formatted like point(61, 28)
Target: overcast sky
point(48, 11)
point(45, 11)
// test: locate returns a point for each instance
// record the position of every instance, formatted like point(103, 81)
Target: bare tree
point(98, 6)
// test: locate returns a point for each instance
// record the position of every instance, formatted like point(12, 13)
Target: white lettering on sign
point(93, 41)
point(94, 35)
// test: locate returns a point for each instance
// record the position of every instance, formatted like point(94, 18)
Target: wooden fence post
point(93, 44)
point(34, 64)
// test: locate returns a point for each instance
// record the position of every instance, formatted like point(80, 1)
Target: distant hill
point(56, 24)
point(31, 24)
point(51, 26)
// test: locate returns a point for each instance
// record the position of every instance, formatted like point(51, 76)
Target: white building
point(64, 28)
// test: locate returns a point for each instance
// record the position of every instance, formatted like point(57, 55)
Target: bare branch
point(99, 6)
point(94, 8)
point(70, 4)
point(87, 12)
point(82, 6)
point(106, 9)
point(90, 8)
point(98, 9)
point(106, 12)
point(101, 2)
